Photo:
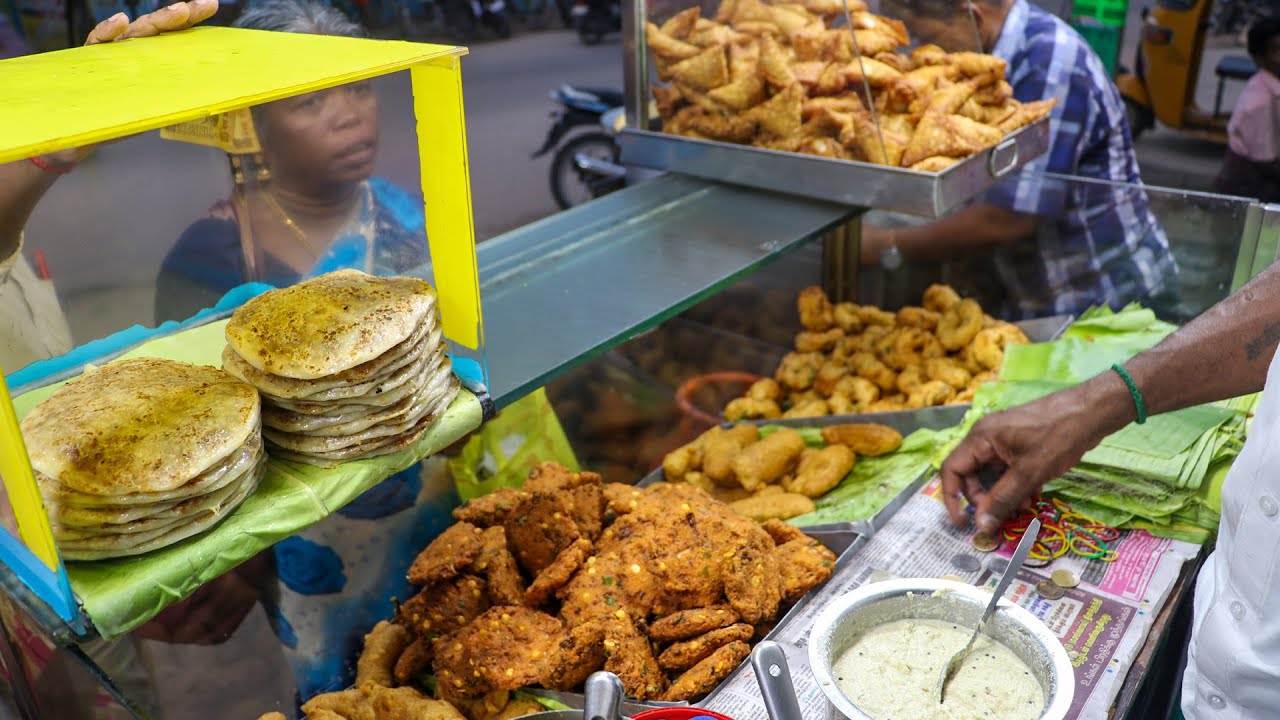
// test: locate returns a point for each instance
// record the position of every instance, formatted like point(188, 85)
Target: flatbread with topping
point(139, 426)
point(323, 326)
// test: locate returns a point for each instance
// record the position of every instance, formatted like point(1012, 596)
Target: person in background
point(1252, 165)
point(312, 204)
point(1058, 246)
point(318, 208)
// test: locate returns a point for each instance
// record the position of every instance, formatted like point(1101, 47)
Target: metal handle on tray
point(997, 169)
point(774, 678)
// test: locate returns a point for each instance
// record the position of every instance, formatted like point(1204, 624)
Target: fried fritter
point(677, 462)
point(764, 462)
point(686, 654)
point(576, 657)
point(749, 577)
point(550, 477)
point(805, 563)
point(629, 655)
point(815, 309)
point(406, 703)
point(503, 649)
point(620, 498)
point(587, 506)
point(821, 471)
point(781, 532)
point(774, 506)
point(867, 439)
point(720, 448)
point(492, 509)
point(447, 555)
point(349, 704)
point(749, 408)
point(704, 676)
point(539, 528)
point(688, 624)
point(441, 608)
point(415, 660)
point(382, 647)
point(505, 584)
point(554, 576)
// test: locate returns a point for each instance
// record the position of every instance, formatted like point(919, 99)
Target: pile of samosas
point(775, 477)
point(664, 587)
point(375, 694)
point(777, 75)
point(852, 359)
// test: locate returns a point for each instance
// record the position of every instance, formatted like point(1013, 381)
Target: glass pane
point(1124, 229)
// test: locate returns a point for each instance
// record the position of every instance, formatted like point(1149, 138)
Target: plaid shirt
point(1103, 246)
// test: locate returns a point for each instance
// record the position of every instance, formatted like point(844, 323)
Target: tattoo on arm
point(1266, 341)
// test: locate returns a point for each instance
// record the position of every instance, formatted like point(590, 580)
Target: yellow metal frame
point(89, 95)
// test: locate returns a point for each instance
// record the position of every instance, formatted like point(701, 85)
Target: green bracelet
point(1133, 392)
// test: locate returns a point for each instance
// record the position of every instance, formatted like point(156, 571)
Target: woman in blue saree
point(312, 207)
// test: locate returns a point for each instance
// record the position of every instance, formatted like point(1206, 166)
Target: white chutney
point(891, 673)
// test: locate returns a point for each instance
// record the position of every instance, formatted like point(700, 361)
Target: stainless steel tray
point(842, 181)
point(841, 539)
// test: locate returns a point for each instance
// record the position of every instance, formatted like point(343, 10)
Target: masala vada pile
point(664, 587)
point(779, 75)
point(139, 454)
point(861, 359)
point(349, 365)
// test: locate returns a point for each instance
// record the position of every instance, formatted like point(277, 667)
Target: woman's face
point(324, 138)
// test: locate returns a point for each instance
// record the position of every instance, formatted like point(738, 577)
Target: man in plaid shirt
point(1061, 244)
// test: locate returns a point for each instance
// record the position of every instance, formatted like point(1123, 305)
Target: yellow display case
point(195, 85)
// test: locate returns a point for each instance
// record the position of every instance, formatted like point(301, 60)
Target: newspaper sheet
point(1103, 623)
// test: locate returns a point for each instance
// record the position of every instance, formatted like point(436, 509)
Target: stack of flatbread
point(139, 454)
point(349, 365)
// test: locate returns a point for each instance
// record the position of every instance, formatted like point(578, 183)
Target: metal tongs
point(1019, 557)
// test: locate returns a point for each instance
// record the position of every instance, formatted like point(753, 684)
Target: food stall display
point(525, 591)
point(143, 466)
point(782, 77)
point(851, 359)
point(820, 100)
point(769, 473)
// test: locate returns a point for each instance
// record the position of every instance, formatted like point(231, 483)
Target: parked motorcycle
point(586, 167)
point(464, 17)
point(596, 19)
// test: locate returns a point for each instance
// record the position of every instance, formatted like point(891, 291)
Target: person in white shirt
point(1233, 662)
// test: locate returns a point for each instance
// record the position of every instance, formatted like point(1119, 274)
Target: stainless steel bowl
point(844, 620)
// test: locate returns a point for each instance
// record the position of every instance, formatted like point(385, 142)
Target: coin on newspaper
point(1049, 590)
point(1065, 578)
point(986, 542)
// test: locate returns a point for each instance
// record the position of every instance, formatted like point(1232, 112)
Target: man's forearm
point(975, 227)
point(22, 184)
point(1224, 353)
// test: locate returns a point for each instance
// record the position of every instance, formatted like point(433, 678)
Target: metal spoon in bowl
point(1019, 557)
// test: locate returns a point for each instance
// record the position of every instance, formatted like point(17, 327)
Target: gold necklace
point(299, 234)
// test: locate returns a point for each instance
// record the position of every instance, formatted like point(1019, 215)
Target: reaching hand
point(178, 16)
point(1028, 446)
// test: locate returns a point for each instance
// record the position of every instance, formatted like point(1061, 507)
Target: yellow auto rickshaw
point(1162, 85)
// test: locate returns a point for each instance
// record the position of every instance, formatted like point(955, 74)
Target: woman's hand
point(178, 16)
